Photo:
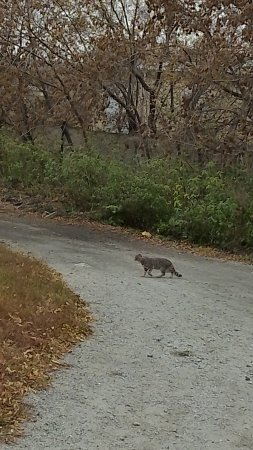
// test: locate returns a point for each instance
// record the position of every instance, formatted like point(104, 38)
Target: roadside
point(40, 320)
point(28, 210)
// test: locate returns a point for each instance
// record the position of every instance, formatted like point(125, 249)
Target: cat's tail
point(179, 275)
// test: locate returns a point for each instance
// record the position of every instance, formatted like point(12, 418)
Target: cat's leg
point(145, 271)
point(162, 273)
point(149, 272)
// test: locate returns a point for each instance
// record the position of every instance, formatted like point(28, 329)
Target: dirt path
point(170, 365)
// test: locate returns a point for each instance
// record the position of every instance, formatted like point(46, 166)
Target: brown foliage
point(40, 319)
point(183, 69)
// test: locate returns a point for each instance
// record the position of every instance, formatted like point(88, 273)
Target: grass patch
point(40, 320)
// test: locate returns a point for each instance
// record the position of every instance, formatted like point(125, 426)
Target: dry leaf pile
point(40, 319)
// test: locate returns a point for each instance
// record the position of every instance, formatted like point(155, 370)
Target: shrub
point(82, 178)
point(170, 197)
point(24, 165)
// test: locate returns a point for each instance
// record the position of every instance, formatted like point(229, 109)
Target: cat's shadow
point(156, 278)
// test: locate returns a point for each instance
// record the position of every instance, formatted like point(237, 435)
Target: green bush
point(139, 206)
point(82, 178)
point(23, 165)
point(172, 198)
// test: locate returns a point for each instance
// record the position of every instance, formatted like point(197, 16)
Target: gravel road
point(170, 364)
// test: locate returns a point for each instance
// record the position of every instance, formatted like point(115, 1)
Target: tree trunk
point(65, 133)
point(133, 124)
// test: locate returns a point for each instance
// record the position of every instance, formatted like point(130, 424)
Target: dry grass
point(40, 319)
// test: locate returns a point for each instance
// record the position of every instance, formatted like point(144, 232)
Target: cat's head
point(138, 257)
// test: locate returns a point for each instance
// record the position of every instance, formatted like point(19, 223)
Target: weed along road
point(170, 363)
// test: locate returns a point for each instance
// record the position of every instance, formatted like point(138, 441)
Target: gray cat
point(162, 264)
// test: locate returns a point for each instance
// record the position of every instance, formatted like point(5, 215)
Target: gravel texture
point(170, 364)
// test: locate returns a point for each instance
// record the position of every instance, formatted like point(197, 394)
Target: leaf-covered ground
point(40, 319)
